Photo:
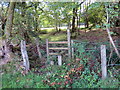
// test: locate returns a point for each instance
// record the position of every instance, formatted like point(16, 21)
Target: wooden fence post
point(38, 48)
point(72, 49)
point(103, 61)
point(25, 55)
point(47, 49)
point(68, 38)
point(51, 62)
point(59, 60)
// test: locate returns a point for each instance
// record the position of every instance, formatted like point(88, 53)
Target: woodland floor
point(97, 35)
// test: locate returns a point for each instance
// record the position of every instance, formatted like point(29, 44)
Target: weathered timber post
point(25, 55)
point(68, 39)
point(72, 42)
point(38, 48)
point(103, 61)
point(47, 49)
point(59, 60)
point(51, 62)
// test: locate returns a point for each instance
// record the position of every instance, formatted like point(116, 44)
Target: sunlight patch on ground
point(57, 37)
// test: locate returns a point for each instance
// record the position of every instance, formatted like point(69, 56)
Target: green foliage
point(71, 74)
point(14, 77)
point(87, 80)
point(96, 13)
point(17, 80)
point(81, 53)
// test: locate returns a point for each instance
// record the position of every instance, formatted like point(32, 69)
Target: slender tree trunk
point(56, 22)
point(56, 27)
point(77, 29)
point(9, 22)
point(24, 22)
point(86, 16)
point(87, 24)
point(119, 18)
point(119, 9)
point(119, 13)
point(73, 20)
point(59, 27)
point(36, 24)
point(36, 19)
point(8, 30)
point(108, 31)
point(3, 19)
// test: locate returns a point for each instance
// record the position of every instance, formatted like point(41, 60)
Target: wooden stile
point(68, 42)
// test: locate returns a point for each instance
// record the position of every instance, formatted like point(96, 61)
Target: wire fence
point(88, 52)
point(94, 50)
point(91, 53)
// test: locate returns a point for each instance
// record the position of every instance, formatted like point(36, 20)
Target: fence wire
point(92, 51)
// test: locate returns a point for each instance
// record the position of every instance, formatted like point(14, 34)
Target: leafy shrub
point(14, 78)
point(19, 81)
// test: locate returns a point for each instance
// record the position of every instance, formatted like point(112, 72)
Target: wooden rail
point(48, 48)
point(58, 48)
point(53, 53)
point(61, 42)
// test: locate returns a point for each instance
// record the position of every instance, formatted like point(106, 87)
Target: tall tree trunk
point(59, 26)
point(3, 19)
point(8, 30)
point(56, 22)
point(87, 24)
point(79, 17)
point(73, 20)
point(24, 22)
point(36, 23)
point(56, 27)
point(119, 17)
point(119, 9)
point(119, 13)
point(86, 15)
point(9, 22)
point(36, 18)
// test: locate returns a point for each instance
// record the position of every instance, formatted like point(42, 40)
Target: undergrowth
point(69, 75)
point(74, 73)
